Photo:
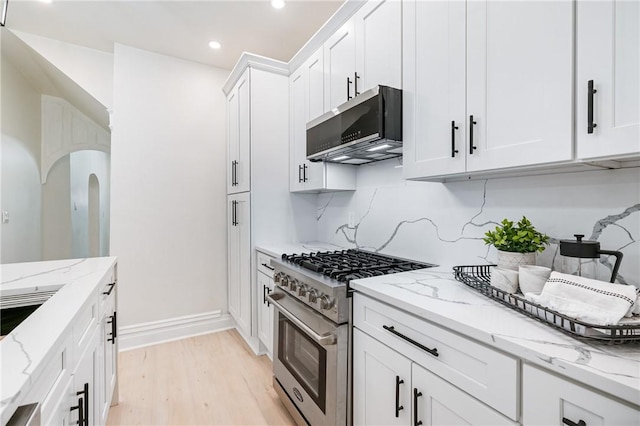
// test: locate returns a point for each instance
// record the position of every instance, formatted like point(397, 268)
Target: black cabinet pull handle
point(392, 330)
point(299, 173)
point(267, 266)
point(472, 122)
point(111, 287)
point(265, 291)
point(398, 406)
point(304, 172)
point(568, 422)
point(356, 78)
point(83, 406)
point(416, 395)
point(590, 92)
point(80, 408)
point(233, 173)
point(114, 328)
point(349, 88)
point(454, 151)
point(234, 213)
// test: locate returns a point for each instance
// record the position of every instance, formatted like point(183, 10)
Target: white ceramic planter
point(510, 260)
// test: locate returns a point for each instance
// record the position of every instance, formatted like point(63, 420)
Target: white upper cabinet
point(608, 59)
point(306, 102)
point(487, 86)
point(340, 66)
point(434, 128)
point(239, 136)
point(519, 83)
point(378, 27)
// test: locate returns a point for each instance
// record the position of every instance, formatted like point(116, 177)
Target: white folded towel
point(591, 301)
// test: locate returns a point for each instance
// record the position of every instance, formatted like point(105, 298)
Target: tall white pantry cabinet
point(257, 179)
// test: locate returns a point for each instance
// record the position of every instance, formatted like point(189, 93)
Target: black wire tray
point(478, 277)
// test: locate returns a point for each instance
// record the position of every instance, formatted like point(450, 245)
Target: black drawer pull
point(391, 329)
point(568, 422)
point(111, 287)
point(416, 395)
point(267, 266)
point(398, 406)
point(80, 408)
point(590, 92)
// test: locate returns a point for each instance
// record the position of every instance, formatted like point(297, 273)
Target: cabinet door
point(86, 389)
point(378, 26)
point(548, 399)
point(519, 83)
point(61, 413)
point(381, 383)
point(239, 259)
point(314, 174)
point(110, 357)
point(434, 128)
point(265, 312)
point(438, 402)
point(298, 135)
point(339, 66)
point(608, 53)
point(238, 127)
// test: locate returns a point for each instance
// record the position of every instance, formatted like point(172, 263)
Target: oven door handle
point(323, 340)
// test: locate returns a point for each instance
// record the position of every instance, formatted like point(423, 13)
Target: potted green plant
point(517, 244)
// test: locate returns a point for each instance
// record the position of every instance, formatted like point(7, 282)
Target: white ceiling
point(179, 28)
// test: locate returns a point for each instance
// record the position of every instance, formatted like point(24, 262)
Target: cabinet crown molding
point(254, 61)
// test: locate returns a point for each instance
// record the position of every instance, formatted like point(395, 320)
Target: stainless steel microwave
point(364, 129)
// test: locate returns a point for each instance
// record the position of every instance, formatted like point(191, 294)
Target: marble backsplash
point(445, 223)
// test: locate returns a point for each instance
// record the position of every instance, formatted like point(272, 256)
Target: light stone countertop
point(436, 296)
point(25, 351)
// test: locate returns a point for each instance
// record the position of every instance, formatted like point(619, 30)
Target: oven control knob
point(326, 303)
point(302, 290)
point(277, 277)
point(313, 295)
point(284, 281)
point(293, 285)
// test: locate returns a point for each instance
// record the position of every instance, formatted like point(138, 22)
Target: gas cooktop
point(345, 265)
point(321, 280)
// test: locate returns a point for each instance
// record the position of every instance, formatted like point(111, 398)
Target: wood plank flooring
point(213, 379)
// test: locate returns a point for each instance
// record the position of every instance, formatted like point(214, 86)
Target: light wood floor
point(213, 379)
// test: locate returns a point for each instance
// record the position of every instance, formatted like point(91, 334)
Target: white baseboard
point(167, 330)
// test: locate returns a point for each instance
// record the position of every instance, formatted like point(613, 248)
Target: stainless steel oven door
point(310, 361)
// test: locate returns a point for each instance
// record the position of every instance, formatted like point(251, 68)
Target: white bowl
point(504, 279)
point(533, 278)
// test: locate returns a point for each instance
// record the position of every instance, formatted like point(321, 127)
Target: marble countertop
point(278, 249)
point(25, 351)
point(435, 295)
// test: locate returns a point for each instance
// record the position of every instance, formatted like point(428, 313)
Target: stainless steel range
point(311, 333)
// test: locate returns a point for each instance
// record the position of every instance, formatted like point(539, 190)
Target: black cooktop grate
point(346, 265)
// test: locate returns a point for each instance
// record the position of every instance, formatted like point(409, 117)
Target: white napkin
point(591, 301)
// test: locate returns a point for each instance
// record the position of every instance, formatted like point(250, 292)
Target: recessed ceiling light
point(214, 45)
point(277, 4)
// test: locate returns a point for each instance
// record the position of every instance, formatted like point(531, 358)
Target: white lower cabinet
point(551, 400)
point(265, 309)
point(381, 383)
point(239, 243)
point(85, 393)
point(390, 389)
point(407, 370)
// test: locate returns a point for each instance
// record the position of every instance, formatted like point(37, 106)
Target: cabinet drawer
point(548, 399)
point(85, 323)
point(486, 374)
point(264, 264)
